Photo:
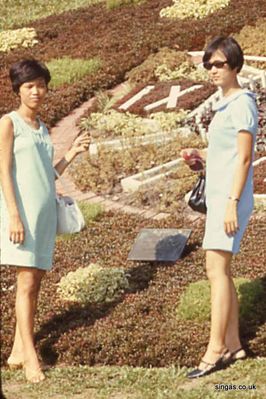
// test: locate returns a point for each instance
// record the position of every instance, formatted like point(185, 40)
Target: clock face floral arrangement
point(93, 284)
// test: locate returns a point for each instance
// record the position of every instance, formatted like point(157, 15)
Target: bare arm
point(244, 147)
point(80, 144)
point(16, 229)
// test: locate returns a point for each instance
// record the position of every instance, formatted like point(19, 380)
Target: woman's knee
point(218, 264)
point(29, 281)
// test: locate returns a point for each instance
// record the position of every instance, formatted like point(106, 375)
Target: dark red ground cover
point(162, 90)
point(122, 38)
point(259, 178)
point(141, 329)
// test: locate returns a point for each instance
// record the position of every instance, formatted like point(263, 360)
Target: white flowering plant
point(119, 124)
point(11, 39)
point(130, 125)
point(185, 70)
point(169, 121)
point(195, 9)
point(93, 284)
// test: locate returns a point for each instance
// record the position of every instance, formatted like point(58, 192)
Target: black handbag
point(197, 200)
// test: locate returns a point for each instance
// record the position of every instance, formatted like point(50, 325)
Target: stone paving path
point(62, 136)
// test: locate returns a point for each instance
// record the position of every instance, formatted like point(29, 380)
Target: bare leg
point(16, 358)
point(28, 286)
point(232, 339)
point(218, 272)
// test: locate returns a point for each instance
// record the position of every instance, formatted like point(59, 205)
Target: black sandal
point(218, 365)
point(232, 358)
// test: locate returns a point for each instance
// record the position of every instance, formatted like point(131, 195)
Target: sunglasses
point(216, 64)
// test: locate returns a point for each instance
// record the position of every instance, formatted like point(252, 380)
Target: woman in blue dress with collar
point(229, 197)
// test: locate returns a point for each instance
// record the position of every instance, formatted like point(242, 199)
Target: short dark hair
point(27, 70)
point(230, 48)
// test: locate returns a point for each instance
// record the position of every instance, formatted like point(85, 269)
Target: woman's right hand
point(192, 158)
point(16, 230)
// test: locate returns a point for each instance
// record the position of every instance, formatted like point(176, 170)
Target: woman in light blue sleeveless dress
point(28, 205)
point(229, 197)
point(33, 177)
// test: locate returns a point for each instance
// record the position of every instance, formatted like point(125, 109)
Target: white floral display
point(185, 70)
point(93, 284)
point(169, 121)
point(11, 39)
point(196, 9)
point(130, 125)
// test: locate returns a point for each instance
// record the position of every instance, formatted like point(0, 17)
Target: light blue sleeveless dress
point(34, 184)
point(233, 114)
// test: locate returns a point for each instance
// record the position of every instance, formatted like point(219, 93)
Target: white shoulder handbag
point(69, 216)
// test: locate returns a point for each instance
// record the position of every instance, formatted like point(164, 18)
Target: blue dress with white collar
point(234, 113)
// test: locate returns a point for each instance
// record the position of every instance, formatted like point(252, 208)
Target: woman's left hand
point(231, 218)
point(81, 143)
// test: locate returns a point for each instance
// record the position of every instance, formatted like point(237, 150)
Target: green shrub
point(90, 211)
point(93, 284)
point(195, 301)
point(69, 70)
point(110, 4)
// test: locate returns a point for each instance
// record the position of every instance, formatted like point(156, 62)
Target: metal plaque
point(159, 244)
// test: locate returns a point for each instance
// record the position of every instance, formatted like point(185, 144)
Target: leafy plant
point(196, 9)
point(69, 70)
point(104, 101)
point(186, 70)
point(112, 123)
point(145, 72)
point(110, 4)
point(195, 301)
point(252, 39)
point(11, 39)
point(93, 284)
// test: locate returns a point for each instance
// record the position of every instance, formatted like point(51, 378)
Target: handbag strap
point(61, 179)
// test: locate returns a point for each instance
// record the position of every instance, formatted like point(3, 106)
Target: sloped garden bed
point(142, 328)
point(121, 38)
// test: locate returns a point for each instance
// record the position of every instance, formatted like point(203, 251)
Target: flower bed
point(142, 329)
point(252, 38)
point(260, 178)
point(188, 101)
point(106, 119)
point(197, 9)
point(11, 39)
point(122, 38)
point(103, 174)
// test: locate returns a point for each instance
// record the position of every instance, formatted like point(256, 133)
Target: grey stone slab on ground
point(159, 245)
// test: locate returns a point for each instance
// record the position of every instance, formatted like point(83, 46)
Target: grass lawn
point(24, 11)
point(140, 383)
